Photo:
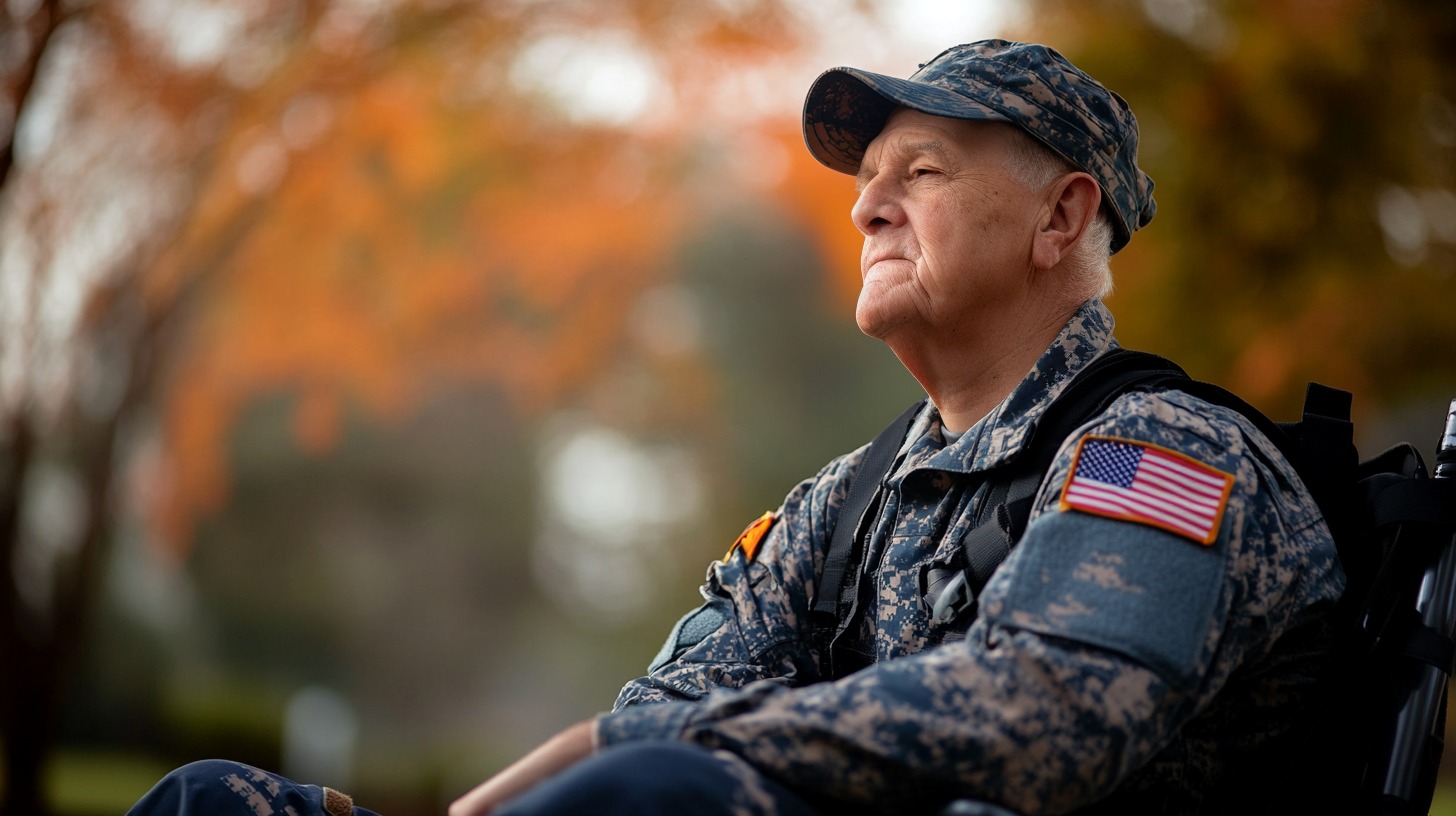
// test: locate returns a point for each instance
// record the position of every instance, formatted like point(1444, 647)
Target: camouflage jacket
point(1112, 661)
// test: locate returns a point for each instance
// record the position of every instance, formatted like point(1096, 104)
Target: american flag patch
point(1143, 483)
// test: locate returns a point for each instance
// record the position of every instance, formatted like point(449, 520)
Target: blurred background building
point(379, 377)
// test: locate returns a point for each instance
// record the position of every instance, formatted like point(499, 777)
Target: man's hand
point(550, 758)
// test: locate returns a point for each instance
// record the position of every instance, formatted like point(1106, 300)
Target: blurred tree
point(1305, 152)
point(208, 202)
point(798, 383)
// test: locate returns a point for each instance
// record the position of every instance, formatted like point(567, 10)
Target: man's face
point(947, 228)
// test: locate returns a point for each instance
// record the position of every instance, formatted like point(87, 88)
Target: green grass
point(93, 784)
point(1444, 802)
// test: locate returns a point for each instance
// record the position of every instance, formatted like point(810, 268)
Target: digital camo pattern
point(215, 786)
point(1028, 85)
point(1112, 663)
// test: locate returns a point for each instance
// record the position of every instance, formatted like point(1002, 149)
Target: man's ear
point(1072, 204)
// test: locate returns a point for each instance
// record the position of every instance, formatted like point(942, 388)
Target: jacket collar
point(1001, 433)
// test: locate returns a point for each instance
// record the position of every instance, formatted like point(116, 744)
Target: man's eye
point(917, 172)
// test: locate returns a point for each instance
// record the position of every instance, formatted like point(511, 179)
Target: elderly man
point(1117, 660)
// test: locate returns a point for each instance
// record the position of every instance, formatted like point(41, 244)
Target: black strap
point(1004, 515)
point(1419, 501)
point(873, 469)
point(1324, 455)
point(1325, 440)
point(990, 541)
point(1428, 646)
point(1326, 432)
point(1007, 507)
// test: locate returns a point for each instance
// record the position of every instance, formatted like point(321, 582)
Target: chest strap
point(1002, 517)
point(844, 542)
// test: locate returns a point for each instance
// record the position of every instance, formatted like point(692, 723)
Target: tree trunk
point(27, 663)
point(28, 721)
point(26, 690)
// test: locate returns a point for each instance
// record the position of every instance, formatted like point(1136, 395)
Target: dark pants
point(641, 779)
point(657, 779)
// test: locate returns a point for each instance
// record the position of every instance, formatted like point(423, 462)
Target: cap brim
point(846, 109)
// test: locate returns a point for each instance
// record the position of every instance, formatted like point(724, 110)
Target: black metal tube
point(1436, 604)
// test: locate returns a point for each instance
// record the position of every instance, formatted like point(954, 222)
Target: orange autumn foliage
point(361, 291)
point(408, 241)
point(821, 200)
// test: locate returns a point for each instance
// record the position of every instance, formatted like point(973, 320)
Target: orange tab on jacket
point(1129, 480)
point(752, 535)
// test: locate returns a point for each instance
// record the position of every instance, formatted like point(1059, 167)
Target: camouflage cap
point(1030, 86)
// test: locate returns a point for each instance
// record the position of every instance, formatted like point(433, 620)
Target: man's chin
point(877, 322)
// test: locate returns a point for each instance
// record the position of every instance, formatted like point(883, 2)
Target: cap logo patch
point(1146, 484)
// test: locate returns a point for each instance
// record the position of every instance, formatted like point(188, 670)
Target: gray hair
point(1037, 166)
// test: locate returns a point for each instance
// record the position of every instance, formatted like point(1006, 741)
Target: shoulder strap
point(1003, 516)
point(1322, 443)
point(862, 489)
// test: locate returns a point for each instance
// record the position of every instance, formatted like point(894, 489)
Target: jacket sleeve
point(1097, 641)
point(754, 623)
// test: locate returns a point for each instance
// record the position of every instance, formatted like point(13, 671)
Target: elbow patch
point(692, 629)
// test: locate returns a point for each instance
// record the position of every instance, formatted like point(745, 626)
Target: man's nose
point(877, 207)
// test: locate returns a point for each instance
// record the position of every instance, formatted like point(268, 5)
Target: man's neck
point(967, 380)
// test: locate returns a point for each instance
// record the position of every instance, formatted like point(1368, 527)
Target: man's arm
point(754, 623)
point(1098, 640)
point(752, 627)
point(553, 756)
